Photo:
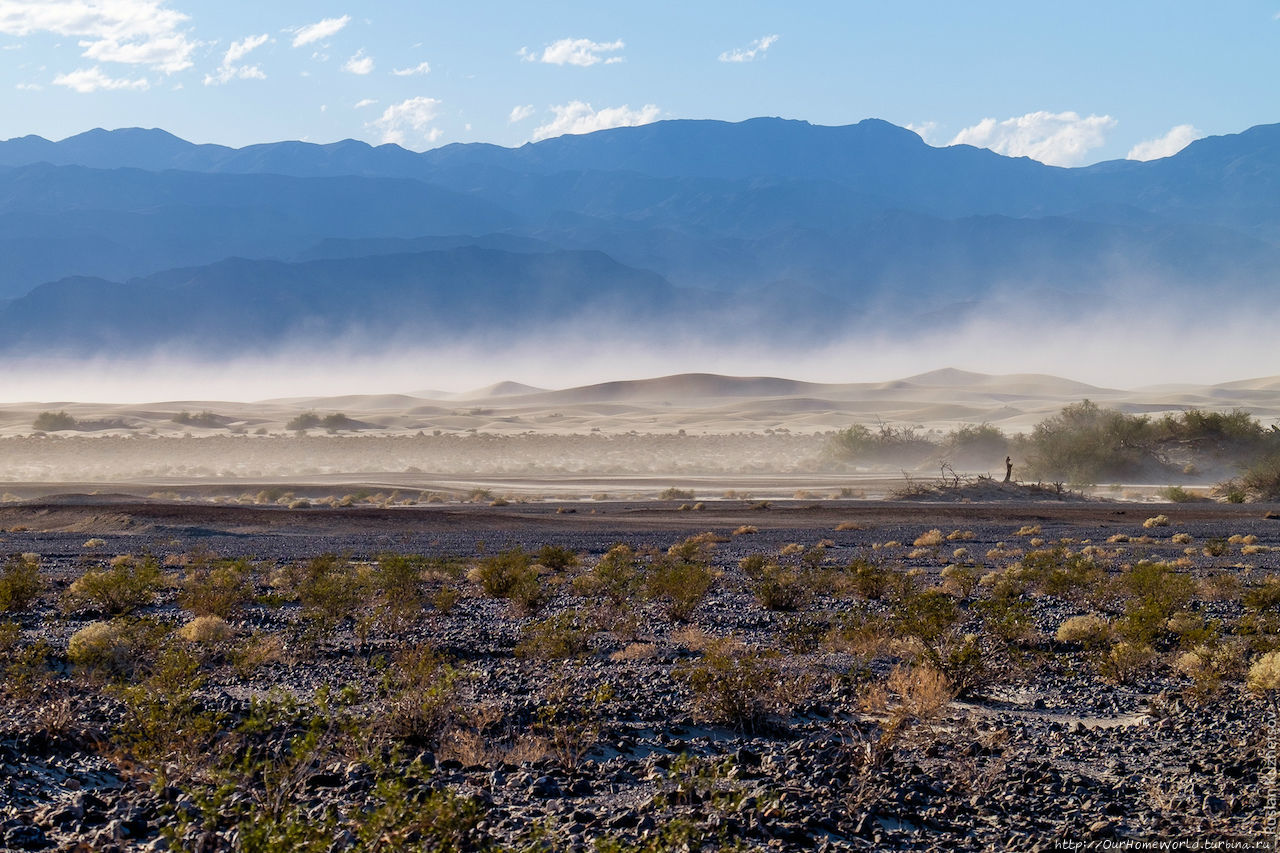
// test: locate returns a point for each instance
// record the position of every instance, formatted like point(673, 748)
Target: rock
point(26, 837)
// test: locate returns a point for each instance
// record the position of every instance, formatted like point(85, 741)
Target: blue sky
point(1065, 83)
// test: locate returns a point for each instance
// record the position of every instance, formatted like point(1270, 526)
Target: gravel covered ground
point(784, 676)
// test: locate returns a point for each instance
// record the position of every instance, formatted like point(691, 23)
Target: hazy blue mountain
point(107, 233)
point(238, 305)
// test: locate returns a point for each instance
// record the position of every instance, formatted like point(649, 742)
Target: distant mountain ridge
point(815, 228)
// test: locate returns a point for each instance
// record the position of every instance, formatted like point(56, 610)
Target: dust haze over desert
point(655, 427)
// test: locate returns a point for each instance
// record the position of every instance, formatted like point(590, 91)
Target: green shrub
point(1261, 480)
point(1088, 444)
point(738, 685)
point(617, 576)
point(556, 558)
point(421, 690)
point(219, 588)
point(869, 579)
point(511, 575)
point(303, 422)
point(564, 635)
point(888, 444)
point(680, 585)
point(397, 580)
point(781, 588)
point(54, 421)
point(20, 582)
point(674, 494)
point(329, 589)
point(128, 584)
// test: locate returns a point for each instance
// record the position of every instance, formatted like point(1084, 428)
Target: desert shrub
point(163, 721)
point(1232, 491)
point(1090, 630)
point(329, 589)
point(1264, 596)
point(571, 718)
point(888, 444)
point(564, 635)
point(617, 576)
point(959, 581)
point(1178, 495)
point(1060, 572)
point(54, 421)
point(1216, 546)
point(421, 691)
point(511, 575)
point(445, 599)
point(1153, 592)
point(695, 549)
point(674, 494)
point(1126, 661)
point(20, 582)
point(869, 579)
point(780, 588)
point(738, 685)
point(205, 419)
point(975, 444)
point(1261, 480)
point(923, 691)
point(207, 630)
point(302, 422)
point(556, 558)
point(106, 648)
point(220, 588)
point(931, 539)
point(1156, 521)
point(397, 580)
point(1087, 444)
point(128, 584)
point(679, 585)
point(1264, 674)
point(746, 530)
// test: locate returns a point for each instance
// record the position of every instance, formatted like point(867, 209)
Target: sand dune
point(703, 404)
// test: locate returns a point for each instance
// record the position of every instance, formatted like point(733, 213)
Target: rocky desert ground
point(1027, 673)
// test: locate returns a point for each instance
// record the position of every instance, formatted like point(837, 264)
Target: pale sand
point(619, 436)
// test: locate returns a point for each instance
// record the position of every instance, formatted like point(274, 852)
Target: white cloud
point(136, 32)
point(520, 113)
point(319, 30)
point(420, 68)
point(925, 130)
point(759, 48)
point(580, 52)
point(29, 87)
point(86, 80)
point(579, 117)
point(408, 123)
point(365, 102)
point(1165, 146)
point(1057, 139)
point(229, 71)
point(359, 64)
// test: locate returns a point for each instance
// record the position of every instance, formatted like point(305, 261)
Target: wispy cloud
point(319, 30)
point(413, 71)
point(1165, 146)
point(87, 80)
point(925, 130)
point(365, 102)
point(520, 113)
point(1057, 139)
point(359, 64)
point(757, 49)
point(580, 52)
point(229, 70)
point(408, 123)
point(579, 117)
point(134, 32)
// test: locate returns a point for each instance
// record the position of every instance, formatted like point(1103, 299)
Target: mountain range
point(109, 238)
